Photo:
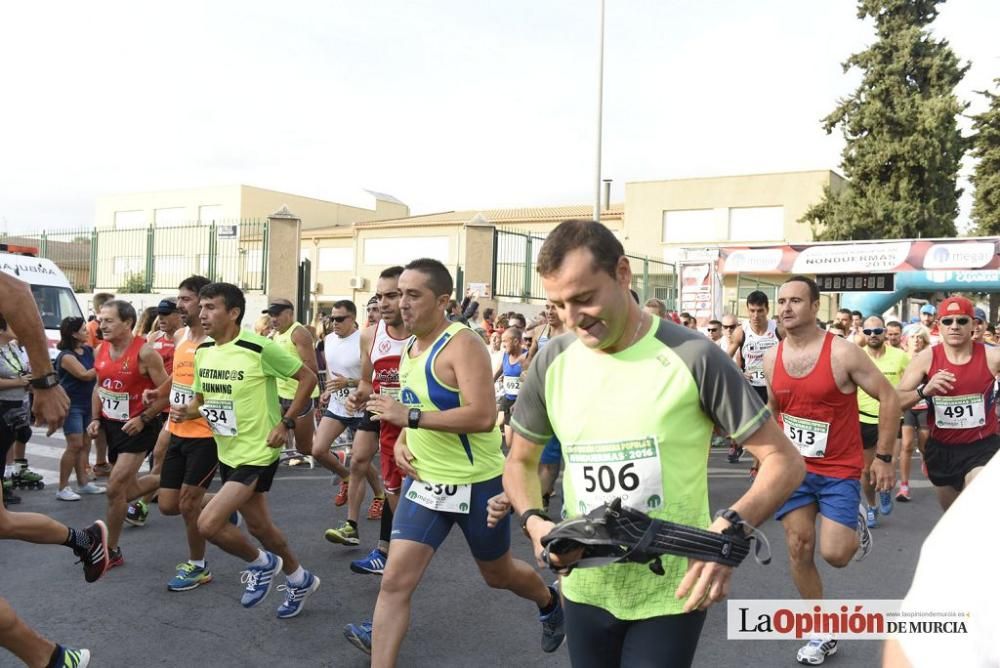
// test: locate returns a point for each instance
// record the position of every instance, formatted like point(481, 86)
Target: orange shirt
point(181, 391)
point(92, 339)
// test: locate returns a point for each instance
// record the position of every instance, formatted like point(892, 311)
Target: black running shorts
point(120, 442)
point(189, 461)
point(259, 476)
point(947, 465)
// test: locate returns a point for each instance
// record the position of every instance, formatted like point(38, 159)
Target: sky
point(444, 104)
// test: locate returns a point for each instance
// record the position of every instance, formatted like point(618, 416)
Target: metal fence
point(151, 259)
point(515, 254)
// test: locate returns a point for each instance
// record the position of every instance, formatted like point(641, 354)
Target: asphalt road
point(130, 619)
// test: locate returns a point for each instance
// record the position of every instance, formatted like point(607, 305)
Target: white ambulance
point(52, 291)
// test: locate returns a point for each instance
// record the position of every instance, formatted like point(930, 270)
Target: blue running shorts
point(837, 498)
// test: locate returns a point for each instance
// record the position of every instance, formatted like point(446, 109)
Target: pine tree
point(986, 177)
point(903, 142)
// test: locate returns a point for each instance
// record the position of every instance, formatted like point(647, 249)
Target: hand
point(278, 436)
point(707, 582)
point(942, 382)
point(93, 428)
point(538, 528)
point(497, 508)
point(149, 396)
point(179, 413)
point(324, 399)
point(337, 382)
point(356, 400)
point(133, 426)
point(883, 475)
point(50, 406)
point(386, 409)
point(404, 460)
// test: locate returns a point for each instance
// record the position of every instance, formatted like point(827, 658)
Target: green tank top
point(441, 457)
point(287, 387)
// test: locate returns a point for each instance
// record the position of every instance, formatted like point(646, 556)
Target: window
point(210, 213)
point(336, 259)
point(759, 223)
point(400, 250)
point(129, 219)
point(687, 225)
point(126, 265)
point(173, 217)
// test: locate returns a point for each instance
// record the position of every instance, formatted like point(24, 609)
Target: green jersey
point(441, 457)
point(636, 425)
point(237, 382)
point(892, 364)
point(288, 386)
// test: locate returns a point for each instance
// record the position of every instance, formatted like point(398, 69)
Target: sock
point(8, 470)
point(380, 496)
point(56, 660)
point(261, 560)
point(200, 563)
point(77, 539)
point(354, 525)
point(383, 547)
point(20, 464)
point(385, 530)
point(297, 577)
point(553, 602)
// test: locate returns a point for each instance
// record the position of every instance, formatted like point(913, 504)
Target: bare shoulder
point(993, 358)
point(302, 335)
point(848, 353)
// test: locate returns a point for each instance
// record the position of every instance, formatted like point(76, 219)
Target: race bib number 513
point(628, 469)
point(809, 436)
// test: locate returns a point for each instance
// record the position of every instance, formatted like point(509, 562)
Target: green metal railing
point(155, 258)
point(515, 254)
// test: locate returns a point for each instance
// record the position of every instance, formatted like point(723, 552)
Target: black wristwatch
point(532, 512)
point(49, 380)
point(288, 422)
point(920, 390)
point(734, 519)
point(885, 458)
point(413, 418)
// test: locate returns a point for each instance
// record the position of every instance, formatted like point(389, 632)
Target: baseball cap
point(277, 306)
point(980, 314)
point(166, 306)
point(928, 308)
point(956, 306)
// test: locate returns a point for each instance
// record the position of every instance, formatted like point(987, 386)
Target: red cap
point(956, 306)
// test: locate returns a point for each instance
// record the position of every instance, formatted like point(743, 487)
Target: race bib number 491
point(967, 411)
point(629, 470)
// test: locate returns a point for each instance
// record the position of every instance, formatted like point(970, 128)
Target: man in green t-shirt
point(634, 400)
point(235, 391)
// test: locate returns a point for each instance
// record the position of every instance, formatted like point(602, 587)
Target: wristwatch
point(532, 512)
point(413, 418)
point(288, 422)
point(49, 380)
point(920, 390)
point(735, 521)
point(885, 458)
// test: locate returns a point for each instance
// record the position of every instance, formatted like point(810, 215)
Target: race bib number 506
point(629, 470)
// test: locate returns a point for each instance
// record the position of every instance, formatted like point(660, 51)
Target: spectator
point(656, 307)
point(146, 323)
point(94, 335)
point(488, 316)
point(715, 332)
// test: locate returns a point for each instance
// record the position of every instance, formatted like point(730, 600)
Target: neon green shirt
point(892, 365)
point(288, 386)
point(637, 425)
point(441, 457)
point(239, 395)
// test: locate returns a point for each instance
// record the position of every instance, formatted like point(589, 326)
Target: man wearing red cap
point(956, 378)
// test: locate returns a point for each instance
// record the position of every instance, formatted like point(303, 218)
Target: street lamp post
point(600, 114)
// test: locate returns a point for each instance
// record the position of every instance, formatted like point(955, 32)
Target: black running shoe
point(94, 558)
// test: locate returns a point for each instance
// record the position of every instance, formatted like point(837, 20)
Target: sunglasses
point(876, 331)
point(961, 322)
point(339, 318)
point(713, 330)
point(730, 326)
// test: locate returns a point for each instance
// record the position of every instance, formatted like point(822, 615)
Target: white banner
point(851, 258)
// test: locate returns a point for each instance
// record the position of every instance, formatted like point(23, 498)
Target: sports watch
point(288, 422)
point(49, 380)
point(885, 458)
point(413, 418)
point(920, 390)
point(528, 514)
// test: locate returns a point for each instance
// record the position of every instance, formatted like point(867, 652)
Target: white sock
point(261, 559)
point(8, 471)
point(200, 563)
point(298, 577)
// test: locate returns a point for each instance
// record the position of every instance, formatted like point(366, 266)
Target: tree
point(986, 176)
point(903, 142)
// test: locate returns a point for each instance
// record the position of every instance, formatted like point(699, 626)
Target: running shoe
point(67, 494)
point(91, 488)
point(341, 497)
point(816, 650)
point(95, 557)
point(189, 576)
point(375, 510)
point(236, 519)
point(360, 635)
point(102, 470)
point(71, 658)
point(115, 558)
point(137, 513)
point(871, 519)
point(295, 596)
point(904, 493)
point(553, 626)
point(865, 541)
point(259, 580)
point(373, 564)
point(885, 503)
point(345, 534)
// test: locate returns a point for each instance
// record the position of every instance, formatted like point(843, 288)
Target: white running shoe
point(67, 494)
point(91, 488)
point(816, 650)
point(865, 541)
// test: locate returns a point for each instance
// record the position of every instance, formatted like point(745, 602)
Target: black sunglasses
point(339, 318)
point(875, 331)
point(962, 322)
point(730, 326)
point(713, 329)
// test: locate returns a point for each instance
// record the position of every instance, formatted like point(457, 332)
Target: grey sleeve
point(531, 417)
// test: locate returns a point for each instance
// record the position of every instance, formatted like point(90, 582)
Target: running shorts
point(248, 475)
point(189, 461)
point(286, 403)
point(869, 435)
point(915, 419)
point(947, 465)
point(552, 453)
point(349, 422)
point(837, 498)
point(392, 477)
point(119, 442)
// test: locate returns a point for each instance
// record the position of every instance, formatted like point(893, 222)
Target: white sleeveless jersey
point(343, 358)
point(385, 354)
point(754, 347)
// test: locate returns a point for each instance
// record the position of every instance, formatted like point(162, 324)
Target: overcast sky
point(445, 104)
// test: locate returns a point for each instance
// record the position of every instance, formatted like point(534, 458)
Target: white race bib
point(967, 411)
point(392, 392)
point(444, 498)
point(114, 405)
point(221, 416)
point(756, 377)
point(809, 436)
point(604, 471)
point(181, 394)
point(511, 385)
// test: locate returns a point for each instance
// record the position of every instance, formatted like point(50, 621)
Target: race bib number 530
point(627, 469)
point(445, 498)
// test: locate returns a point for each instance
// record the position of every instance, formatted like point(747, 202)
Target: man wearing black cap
point(299, 342)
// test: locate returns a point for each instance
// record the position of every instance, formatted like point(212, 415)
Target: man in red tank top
point(956, 377)
point(813, 378)
point(126, 366)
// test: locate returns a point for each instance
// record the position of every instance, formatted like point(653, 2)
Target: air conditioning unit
point(359, 282)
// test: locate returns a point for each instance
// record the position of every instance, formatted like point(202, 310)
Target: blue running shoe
point(189, 576)
point(295, 597)
point(871, 518)
point(553, 626)
point(360, 635)
point(373, 564)
point(885, 503)
point(259, 580)
point(236, 519)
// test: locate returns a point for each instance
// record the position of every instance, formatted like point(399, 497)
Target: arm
point(307, 382)
point(735, 342)
point(305, 346)
point(915, 373)
point(72, 365)
point(532, 351)
point(499, 374)
point(13, 383)
point(152, 365)
point(357, 399)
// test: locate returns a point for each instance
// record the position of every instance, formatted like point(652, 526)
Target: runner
point(235, 391)
point(729, 326)
point(813, 377)
point(551, 459)
point(450, 452)
point(914, 432)
point(894, 334)
point(343, 367)
point(845, 319)
point(928, 318)
point(298, 341)
point(979, 330)
point(126, 367)
point(714, 331)
point(373, 313)
point(680, 385)
point(191, 459)
point(891, 362)
point(956, 379)
point(511, 367)
point(381, 347)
